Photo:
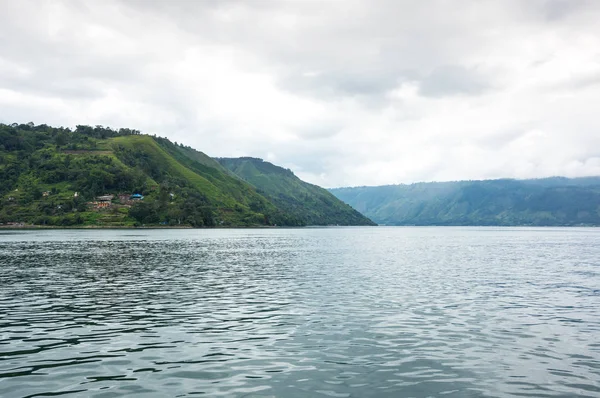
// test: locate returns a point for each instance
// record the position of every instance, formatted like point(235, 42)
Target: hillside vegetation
point(87, 176)
point(307, 202)
point(553, 201)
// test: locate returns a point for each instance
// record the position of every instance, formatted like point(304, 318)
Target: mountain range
point(555, 201)
point(98, 176)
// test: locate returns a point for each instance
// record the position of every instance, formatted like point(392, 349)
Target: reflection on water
point(341, 312)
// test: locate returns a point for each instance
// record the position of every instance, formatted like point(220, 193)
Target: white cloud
point(344, 93)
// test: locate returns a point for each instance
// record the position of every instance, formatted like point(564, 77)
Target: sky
point(344, 93)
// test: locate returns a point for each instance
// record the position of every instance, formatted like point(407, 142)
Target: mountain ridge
point(304, 200)
point(551, 201)
point(55, 176)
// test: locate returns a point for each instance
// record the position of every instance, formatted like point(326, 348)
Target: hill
point(307, 202)
point(555, 201)
point(88, 177)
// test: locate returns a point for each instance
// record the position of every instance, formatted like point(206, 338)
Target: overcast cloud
point(342, 92)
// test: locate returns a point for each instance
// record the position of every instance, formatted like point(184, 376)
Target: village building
point(104, 201)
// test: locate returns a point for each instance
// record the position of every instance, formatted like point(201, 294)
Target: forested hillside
point(541, 202)
point(98, 176)
point(307, 202)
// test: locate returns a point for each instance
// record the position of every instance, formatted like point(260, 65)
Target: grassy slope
point(236, 200)
point(170, 165)
point(553, 201)
point(313, 204)
point(230, 185)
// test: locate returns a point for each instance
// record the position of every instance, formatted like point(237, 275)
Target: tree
point(61, 139)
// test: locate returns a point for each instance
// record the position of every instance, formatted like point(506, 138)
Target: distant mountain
point(309, 203)
point(88, 177)
point(555, 201)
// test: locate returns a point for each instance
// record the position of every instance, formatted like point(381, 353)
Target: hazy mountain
point(547, 201)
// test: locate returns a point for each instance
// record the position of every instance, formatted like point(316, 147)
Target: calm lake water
point(332, 312)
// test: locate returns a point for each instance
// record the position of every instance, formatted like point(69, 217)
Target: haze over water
point(341, 312)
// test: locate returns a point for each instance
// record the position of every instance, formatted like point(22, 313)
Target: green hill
point(555, 201)
point(86, 176)
point(307, 202)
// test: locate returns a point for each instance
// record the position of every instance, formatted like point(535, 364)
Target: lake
point(331, 312)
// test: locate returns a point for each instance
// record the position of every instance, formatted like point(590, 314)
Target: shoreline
point(88, 227)
point(36, 227)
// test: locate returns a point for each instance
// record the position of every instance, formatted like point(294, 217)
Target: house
point(76, 194)
point(46, 193)
point(104, 201)
point(137, 196)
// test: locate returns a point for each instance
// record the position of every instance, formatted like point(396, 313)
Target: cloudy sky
point(348, 92)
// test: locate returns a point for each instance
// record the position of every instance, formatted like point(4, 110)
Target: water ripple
point(340, 312)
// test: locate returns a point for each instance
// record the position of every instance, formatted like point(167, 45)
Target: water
point(338, 312)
